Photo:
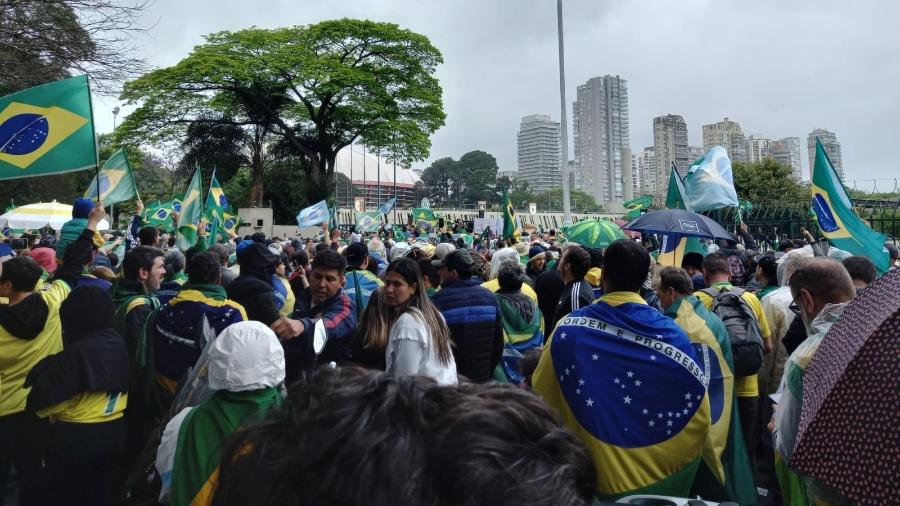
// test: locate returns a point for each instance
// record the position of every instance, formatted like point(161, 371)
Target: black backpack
point(743, 329)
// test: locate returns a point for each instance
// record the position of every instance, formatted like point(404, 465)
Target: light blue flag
point(709, 183)
point(313, 215)
point(387, 206)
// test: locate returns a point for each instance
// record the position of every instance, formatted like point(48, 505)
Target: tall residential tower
point(600, 117)
point(832, 148)
point(538, 142)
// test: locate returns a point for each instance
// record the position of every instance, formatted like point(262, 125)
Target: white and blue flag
point(709, 183)
point(313, 215)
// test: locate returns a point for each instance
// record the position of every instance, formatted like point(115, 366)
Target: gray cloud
point(778, 68)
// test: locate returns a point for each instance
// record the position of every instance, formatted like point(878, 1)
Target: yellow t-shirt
point(18, 356)
point(88, 407)
point(744, 386)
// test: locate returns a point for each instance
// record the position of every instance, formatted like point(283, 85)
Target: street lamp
point(563, 122)
point(115, 112)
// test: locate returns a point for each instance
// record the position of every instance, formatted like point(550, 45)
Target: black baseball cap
point(455, 260)
point(356, 254)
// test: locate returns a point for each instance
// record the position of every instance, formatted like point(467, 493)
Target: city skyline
point(505, 65)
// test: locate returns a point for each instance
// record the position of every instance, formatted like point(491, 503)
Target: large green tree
point(768, 183)
point(46, 40)
point(439, 181)
point(317, 88)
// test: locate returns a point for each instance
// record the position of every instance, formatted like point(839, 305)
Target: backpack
point(742, 326)
point(737, 268)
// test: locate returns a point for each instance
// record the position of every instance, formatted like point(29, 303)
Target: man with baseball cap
point(360, 282)
point(472, 314)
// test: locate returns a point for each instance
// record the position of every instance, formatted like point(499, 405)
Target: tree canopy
point(768, 183)
point(462, 183)
point(314, 89)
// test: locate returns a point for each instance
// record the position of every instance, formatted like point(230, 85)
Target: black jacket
point(575, 295)
point(253, 287)
point(549, 287)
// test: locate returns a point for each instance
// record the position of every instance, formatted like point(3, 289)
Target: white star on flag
point(687, 397)
point(644, 411)
point(578, 391)
point(668, 432)
point(637, 383)
point(562, 336)
point(630, 374)
point(581, 382)
point(590, 402)
point(595, 356)
point(690, 405)
point(616, 381)
point(651, 423)
point(627, 400)
point(670, 423)
point(652, 357)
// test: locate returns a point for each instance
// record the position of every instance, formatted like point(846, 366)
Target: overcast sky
point(779, 68)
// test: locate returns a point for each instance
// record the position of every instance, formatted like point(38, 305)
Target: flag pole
point(96, 139)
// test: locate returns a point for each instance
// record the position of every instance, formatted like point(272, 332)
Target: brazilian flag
point(634, 206)
point(47, 129)
point(230, 224)
point(725, 474)
point(510, 231)
point(627, 381)
point(159, 214)
point(838, 222)
point(367, 222)
point(116, 180)
point(191, 212)
point(216, 199)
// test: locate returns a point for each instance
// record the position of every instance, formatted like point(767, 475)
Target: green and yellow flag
point(635, 206)
point(367, 222)
point(838, 222)
point(47, 129)
point(510, 230)
point(191, 212)
point(674, 246)
point(215, 199)
point(159, 214)
point(424, 217)
point(116, 181)
point(230, 224)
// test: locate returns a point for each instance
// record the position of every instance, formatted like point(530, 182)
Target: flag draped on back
point(627, 381)
point(725, 474)
point(116, 180)
point(47, 129)
point(191, 212)
point(839, 223)
point(510, 231)
point(313, 215)
point(709, 183)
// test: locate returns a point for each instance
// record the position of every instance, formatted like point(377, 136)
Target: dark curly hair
point(350, 436)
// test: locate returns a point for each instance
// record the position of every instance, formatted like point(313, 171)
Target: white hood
point(246, 356)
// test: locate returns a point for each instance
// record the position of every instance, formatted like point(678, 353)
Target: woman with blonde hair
point(416, 337)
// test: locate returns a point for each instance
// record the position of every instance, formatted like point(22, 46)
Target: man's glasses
point(794, 308)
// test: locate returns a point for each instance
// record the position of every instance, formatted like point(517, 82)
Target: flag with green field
point(47, 129)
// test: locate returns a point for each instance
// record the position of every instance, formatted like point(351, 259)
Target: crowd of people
point(359, 369)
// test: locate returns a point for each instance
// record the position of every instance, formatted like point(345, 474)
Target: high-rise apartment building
point(694, 153)
point(538, 146)
point(758, 148)
point(727, 134)
point(670, 145)
point(787, 151)
point(636, 176)
point(648, 172)
point(832, 148)
point(600, 117)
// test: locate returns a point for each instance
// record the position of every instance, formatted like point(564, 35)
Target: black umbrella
point(678, 221)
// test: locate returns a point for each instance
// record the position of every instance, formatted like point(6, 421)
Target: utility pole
point(563, 122)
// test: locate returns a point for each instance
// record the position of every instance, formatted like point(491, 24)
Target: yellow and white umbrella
point(34, 216)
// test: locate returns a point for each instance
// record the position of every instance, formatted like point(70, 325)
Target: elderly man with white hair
point(500, 257)
point(246, 367)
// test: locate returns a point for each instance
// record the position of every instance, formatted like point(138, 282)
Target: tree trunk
point(256, 186)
